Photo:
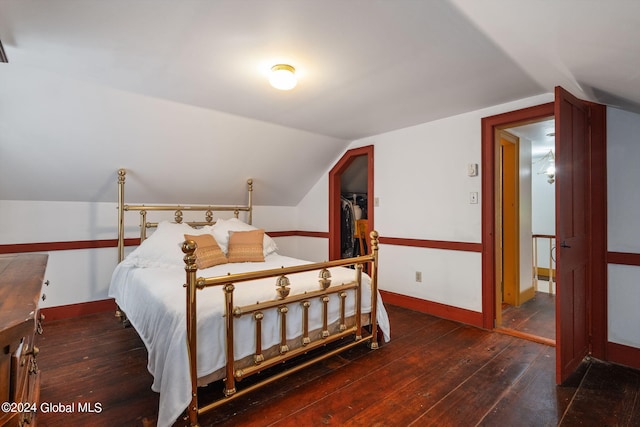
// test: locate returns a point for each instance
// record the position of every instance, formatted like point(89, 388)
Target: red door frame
point(334, 195)
point(489, 127)
point(598, 230)
point(597, 205)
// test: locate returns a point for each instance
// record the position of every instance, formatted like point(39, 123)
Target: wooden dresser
point(21, 279)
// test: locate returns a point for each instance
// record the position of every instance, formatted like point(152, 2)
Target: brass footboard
point(307, 342)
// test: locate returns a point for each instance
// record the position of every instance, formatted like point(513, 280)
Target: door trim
point(508, 258)
point(334, 195)
point(598, 230)
point(597, 222)
point(489, 127)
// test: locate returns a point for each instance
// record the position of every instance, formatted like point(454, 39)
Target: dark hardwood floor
point(433, 372)
point(536, 316)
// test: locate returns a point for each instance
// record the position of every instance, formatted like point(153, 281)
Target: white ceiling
point(103, 81)
point(541, 134)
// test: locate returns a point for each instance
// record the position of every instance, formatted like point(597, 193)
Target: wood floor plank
point(535, 316)
point(433, 370)
point(616, 407)
point(464, 405)
point(360, 369)
point(442, 368)
point(534, 400)
point(95, 360)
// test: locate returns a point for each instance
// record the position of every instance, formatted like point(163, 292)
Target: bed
point(207, 317)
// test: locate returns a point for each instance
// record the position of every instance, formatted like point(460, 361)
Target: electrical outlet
point(419, 276)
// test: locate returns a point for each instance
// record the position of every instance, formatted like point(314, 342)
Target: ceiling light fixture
point(548, 166)
point(283, 77)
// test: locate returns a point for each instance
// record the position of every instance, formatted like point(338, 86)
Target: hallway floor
point(535, 317)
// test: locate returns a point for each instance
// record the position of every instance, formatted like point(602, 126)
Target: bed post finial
point(121, 178)
point(374, 289)
point(250, 188)
point(374, 240)
point(189, 249)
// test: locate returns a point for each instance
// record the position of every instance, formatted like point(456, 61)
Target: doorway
point(581, 320)
point(362, 160)
point(525, 301)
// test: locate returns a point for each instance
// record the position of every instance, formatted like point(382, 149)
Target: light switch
point(473, 197)
point(472, 169)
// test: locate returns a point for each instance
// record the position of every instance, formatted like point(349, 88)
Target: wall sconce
point(548, 166)
point(283, 77)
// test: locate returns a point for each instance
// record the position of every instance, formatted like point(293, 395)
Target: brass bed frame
point(353, 328)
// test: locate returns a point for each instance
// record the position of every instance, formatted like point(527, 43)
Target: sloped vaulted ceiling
point(176, 92)
point(64, 139)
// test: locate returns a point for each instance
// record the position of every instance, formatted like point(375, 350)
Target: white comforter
point(155, 303)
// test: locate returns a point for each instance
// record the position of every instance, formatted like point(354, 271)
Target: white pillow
point(163, 248)
point(221, 230)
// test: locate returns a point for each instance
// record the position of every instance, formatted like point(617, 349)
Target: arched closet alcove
point(347, 178)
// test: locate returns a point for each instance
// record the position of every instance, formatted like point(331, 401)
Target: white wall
point(543, 197)
point(309, 248)
point(423, 190)
point(623, 205)
point(422, 185)
point(313, 210)
point(77, 276)
point(543, 215)
point(32, 222)
point(421, 181)
point(312, 214)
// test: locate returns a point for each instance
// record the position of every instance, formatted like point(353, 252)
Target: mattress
point(154, 300)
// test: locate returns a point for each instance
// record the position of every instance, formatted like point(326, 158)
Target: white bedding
point(154, 301)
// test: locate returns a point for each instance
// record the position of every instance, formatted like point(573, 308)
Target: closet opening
point(350, 204)
point(353, 209)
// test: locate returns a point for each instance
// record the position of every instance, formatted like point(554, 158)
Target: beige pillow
point(246, 246)
point(208, 253)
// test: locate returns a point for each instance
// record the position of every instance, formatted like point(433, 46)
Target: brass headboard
point(178, 209)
